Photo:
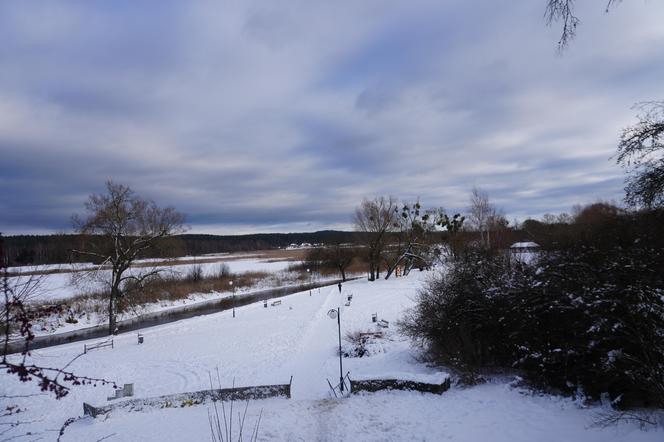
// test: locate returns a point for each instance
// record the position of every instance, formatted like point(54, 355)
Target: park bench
point(97, 345)
point(374, 335)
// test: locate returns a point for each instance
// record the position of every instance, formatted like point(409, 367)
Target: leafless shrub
point(195, 273)
point(361, 344)
point(223, 271)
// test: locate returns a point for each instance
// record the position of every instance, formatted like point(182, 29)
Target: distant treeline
point(55, 249)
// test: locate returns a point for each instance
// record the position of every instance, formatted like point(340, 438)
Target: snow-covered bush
point(588, 316)
point(460, 313)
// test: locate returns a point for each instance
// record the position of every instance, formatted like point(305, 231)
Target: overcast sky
point(282, 115)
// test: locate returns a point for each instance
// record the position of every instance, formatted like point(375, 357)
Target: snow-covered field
point(61, 286)
point(90, 266)
point(297, 338)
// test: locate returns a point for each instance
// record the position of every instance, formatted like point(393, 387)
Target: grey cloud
point(250, 116)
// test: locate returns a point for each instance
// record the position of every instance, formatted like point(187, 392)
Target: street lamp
point(309, 273)
point(336, 314)
point(233, 287)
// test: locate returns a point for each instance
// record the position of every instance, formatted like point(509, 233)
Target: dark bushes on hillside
point(587, 317)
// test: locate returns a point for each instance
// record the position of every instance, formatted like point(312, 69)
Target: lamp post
point(336, 314)
point(233, 287)
point(309, 273)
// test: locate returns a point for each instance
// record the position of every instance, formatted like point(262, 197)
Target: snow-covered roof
point(525, 245)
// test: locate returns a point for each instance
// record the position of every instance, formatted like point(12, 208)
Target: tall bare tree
point(340, 256)
point(375, 219)
point(336, 256)
point(480, 214)
point(117, 228)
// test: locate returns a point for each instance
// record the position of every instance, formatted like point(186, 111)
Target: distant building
point(524, 247)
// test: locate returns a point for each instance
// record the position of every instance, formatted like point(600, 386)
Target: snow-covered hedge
point(587, 317)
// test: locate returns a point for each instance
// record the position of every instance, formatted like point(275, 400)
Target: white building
point(524, 251)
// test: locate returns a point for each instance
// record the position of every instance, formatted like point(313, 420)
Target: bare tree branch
point(562, 11)
point(641, 153)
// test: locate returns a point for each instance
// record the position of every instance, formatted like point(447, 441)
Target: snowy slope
point(267, 346)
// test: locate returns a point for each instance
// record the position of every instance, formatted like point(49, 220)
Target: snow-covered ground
point(297, 338)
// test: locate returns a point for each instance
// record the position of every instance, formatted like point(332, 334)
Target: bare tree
point(641, 152)
point(480, 214)
point(499, 231)
point(340, 256)
point(335, 256)
point(375, 218)
point(415, 227)
point(117, 228)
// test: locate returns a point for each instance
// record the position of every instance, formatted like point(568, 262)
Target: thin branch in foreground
point(610, 418)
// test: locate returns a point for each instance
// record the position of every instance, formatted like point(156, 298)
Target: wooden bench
point(97, 345)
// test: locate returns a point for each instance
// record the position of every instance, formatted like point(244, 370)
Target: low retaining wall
point(373, 385)
point(194, 398)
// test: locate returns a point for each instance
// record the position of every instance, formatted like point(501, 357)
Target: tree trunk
point(343, 274)
point(111, 311)
point(391, 268)
point(113, 302)
point(408, 266)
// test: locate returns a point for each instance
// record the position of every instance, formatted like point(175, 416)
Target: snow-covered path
point(311, 359)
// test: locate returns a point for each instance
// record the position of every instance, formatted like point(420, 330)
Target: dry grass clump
point(171, 288)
